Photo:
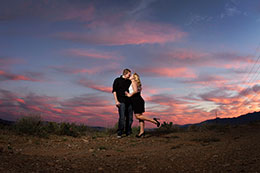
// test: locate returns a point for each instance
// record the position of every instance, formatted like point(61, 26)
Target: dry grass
point(234, 150)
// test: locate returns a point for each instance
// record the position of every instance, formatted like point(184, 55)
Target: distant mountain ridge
point(243, 119)
point(6, 122)
point(9, 123)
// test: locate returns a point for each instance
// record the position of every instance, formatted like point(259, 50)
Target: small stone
point(91, 150)
point(74, 166)
point(226, 165)
point(85, 140)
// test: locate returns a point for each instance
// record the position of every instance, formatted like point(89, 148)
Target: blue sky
point(195, 58)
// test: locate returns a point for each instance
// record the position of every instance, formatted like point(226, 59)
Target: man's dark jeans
point(125, 119)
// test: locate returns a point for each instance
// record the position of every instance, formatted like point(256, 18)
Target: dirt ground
point(233, 150)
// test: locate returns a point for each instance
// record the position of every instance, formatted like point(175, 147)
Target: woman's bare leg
point(141, 117)
point(141, 124)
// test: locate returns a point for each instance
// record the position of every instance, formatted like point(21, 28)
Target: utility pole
point(216, 113)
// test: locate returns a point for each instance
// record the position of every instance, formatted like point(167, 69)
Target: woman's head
point(136, 77)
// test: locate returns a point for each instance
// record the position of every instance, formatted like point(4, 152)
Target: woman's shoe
point(140, 136)
point(157, 122)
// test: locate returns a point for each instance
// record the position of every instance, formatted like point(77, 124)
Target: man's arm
point(116, 100)
point(115, 84)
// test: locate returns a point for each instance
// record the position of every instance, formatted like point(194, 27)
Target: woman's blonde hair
point(137, 79)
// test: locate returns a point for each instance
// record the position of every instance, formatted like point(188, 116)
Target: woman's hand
point(127, 94)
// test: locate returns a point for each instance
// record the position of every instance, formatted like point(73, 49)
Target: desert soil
point(233, 150)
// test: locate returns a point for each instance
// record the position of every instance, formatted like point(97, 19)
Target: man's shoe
point(119, 136)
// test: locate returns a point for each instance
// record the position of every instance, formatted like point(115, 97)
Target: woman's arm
point(134, 84)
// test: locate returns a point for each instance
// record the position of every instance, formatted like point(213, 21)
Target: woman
point(138, 103)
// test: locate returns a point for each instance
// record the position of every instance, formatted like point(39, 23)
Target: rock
point(226, 165)
point(74, 166)
point(51, 163)
point(215, 156)
point(85, 140)
point(91, 150)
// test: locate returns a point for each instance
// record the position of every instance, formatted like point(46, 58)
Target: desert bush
point(72, 129)
point(31, 125)
point(5, 127)
point(52, 127)
point(193, 128)
point(168, 127)
point(69, 129)
point(135, 130)
point(219, 127)
point(83, 129)
point(113, 130)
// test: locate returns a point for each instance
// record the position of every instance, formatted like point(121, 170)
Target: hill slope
point(243, 119)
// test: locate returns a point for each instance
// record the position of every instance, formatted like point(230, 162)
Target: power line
point(250, 80)
point(251, 98)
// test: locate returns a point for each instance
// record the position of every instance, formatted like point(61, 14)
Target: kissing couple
point(127, 94)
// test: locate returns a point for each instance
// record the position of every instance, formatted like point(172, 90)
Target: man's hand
point(117, 104)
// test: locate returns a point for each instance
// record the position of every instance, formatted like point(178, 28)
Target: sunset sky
point(196, 59)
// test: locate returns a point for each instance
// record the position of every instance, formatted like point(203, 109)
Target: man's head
point(126, 73)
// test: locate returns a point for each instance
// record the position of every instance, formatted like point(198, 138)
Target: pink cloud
point(180, 57)
point(70, 70)
point(127, 33)
point(230, 105)
point(110, 67)
point(190, 110)
point(208, 80)
point(171, 109)
point(181, 72)
point(83, 109)
point(72, 13)
point(92, 109)
point(20, 100)
point(48, 10)
point(94, 54)
point(87, 100)
point(95, 86)
point(186, 54)
point(9, 76)
point(6, 62)
point(151, 90)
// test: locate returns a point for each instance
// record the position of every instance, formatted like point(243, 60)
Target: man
point(120, 86)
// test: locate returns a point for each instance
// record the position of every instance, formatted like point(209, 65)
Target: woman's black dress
point(138, 103)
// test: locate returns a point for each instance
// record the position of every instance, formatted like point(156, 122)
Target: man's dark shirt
point(121, 85)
